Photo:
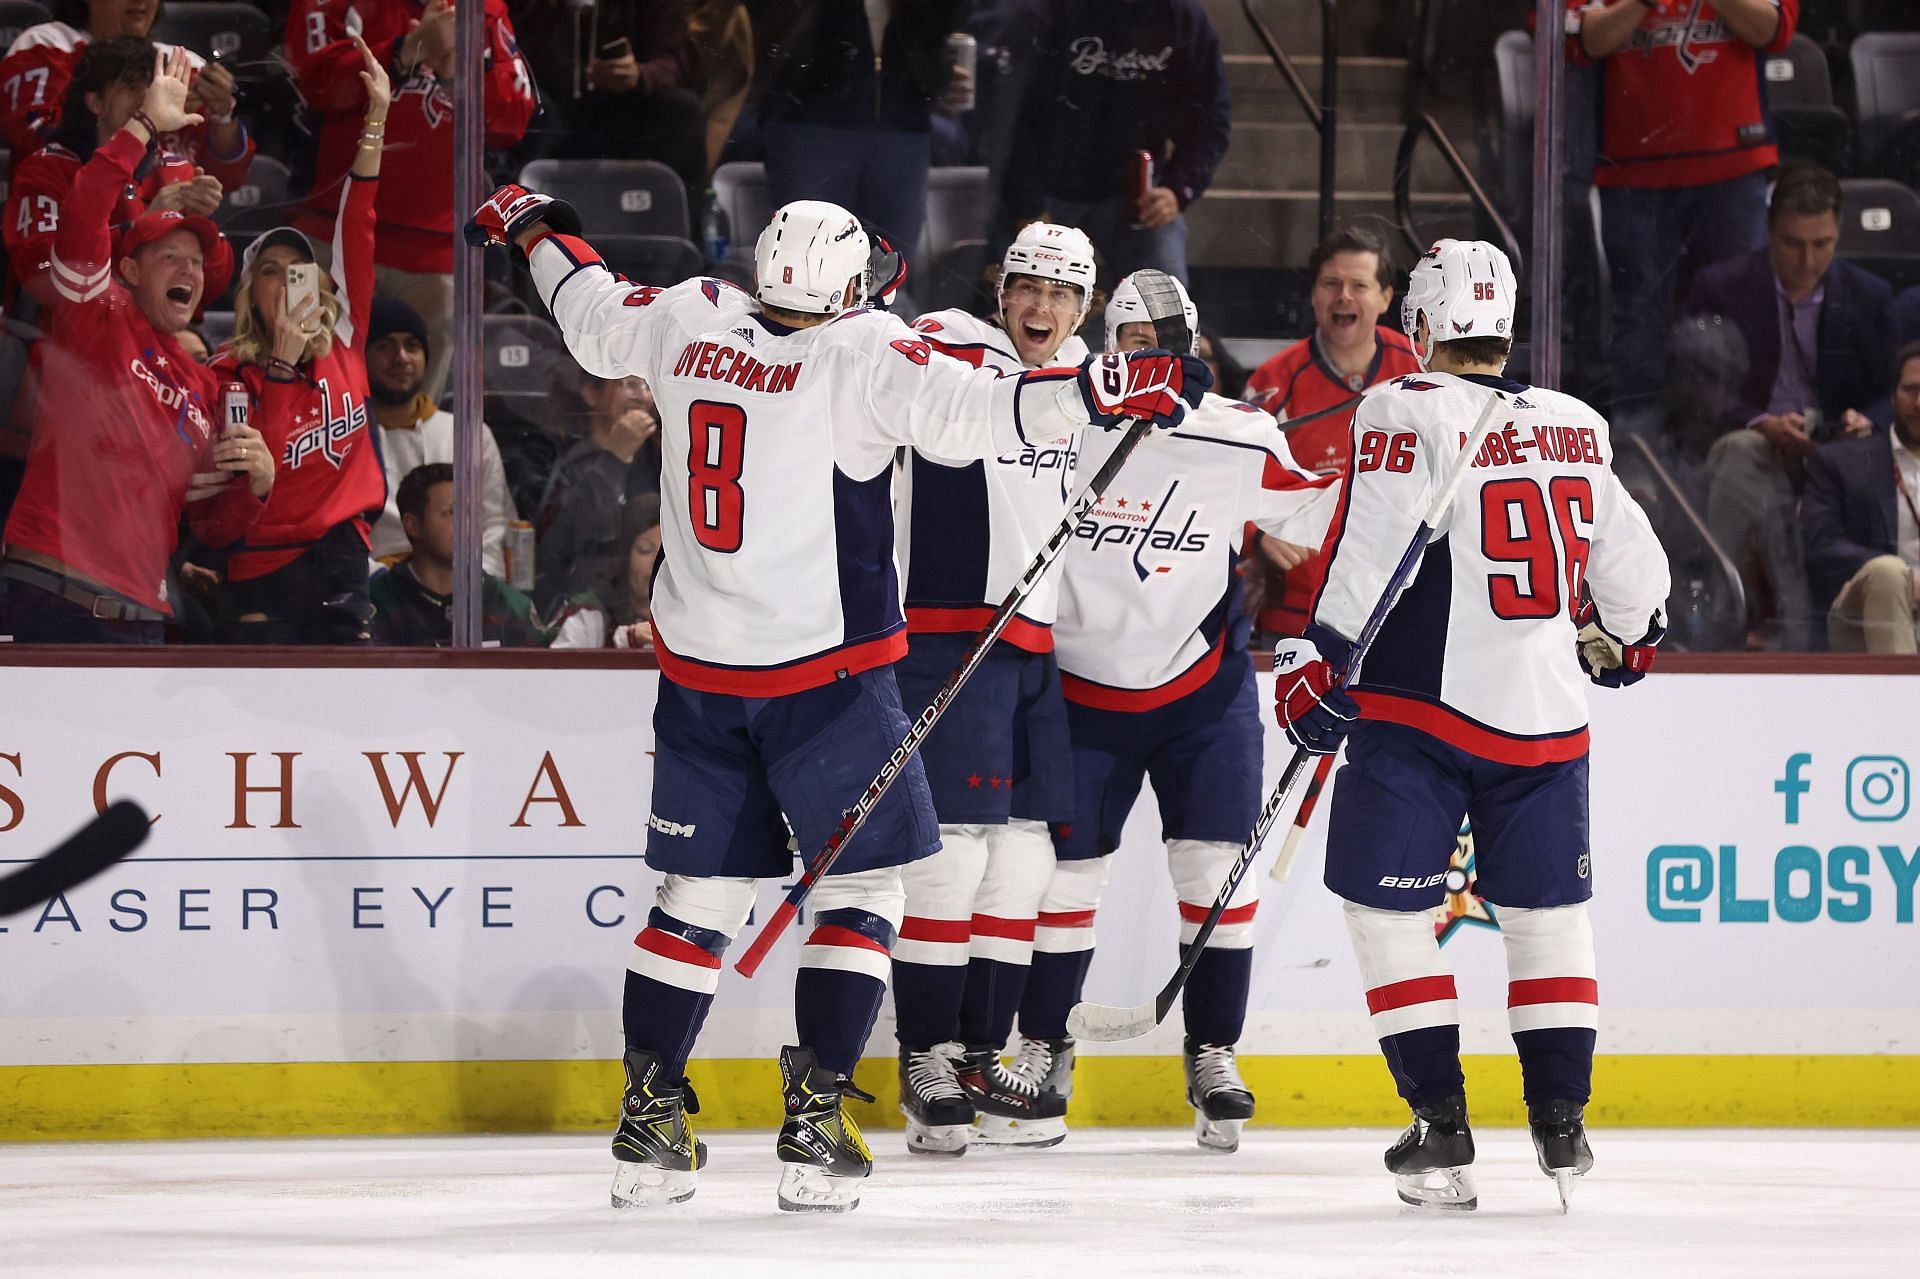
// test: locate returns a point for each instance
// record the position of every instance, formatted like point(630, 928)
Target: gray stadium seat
point(615, 197)
point(959, 202)
point(237, 33)
point(521, 352)
point(1886, 88)
point(216, 327)
point(1880, 228)
point(262, 202)
point(660, 260)
point(16, 16)
point(741, 188)
point(1799, 89)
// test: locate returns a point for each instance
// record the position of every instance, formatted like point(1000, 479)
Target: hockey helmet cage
point(812, 258)
point(1465, 288)
point(1126, 306)
point(1052, 252)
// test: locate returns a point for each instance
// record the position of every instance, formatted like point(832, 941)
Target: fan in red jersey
point(138, 445)
point(300, 574)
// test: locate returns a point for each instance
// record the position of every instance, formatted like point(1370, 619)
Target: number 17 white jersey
point(1479, 650)
point(776, 571)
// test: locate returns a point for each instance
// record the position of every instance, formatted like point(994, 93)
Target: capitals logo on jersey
point(330, 436)
point(436, 104)
point(1140, 527)
point(1689, 37)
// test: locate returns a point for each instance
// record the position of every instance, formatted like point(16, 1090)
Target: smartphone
point(303, 282)
point(614, 50)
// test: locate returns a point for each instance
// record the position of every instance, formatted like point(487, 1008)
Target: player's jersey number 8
point(716, 453)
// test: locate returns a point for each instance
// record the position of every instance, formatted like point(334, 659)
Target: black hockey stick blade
point(1168, 312)
point(97, 845)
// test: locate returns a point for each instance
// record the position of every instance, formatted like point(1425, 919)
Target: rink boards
point(382, 899)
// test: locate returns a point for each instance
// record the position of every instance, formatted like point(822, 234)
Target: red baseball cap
point(157, 224)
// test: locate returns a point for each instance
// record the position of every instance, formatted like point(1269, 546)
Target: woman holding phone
point(299, 337)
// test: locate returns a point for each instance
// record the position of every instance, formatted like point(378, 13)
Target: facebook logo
point(1792, 786)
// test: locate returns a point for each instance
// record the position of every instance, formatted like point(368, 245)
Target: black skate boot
point(939, 1113)
point(1024, 1104)
point(824, 1152)
point(658, 1156)
point(1437, 1144)
point(1560, 1141)
point(1222, 1103)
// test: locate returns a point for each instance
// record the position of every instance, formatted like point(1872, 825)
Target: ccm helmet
point(1465, 288)
point(1062, 253)
point(812, 258)
point(1126, 306)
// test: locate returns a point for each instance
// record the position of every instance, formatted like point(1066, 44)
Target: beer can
point(1142, 182)
point(519, 549)
point(963, 53)
point(237, 402)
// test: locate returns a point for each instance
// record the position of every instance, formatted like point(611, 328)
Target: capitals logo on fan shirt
point(1140, 526)
point(329, 436)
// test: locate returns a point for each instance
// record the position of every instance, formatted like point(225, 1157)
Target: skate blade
point(1221, 1135)
point(1025, 1134)
point(939, 1140)
point(1563, 1182)
point(805, 1188)
point(650, 1186)
point(1455, 1193)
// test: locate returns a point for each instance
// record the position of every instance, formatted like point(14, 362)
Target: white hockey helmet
point(1052, 252)
point(812, 258)
point(1126, 306)
point(1465, 288)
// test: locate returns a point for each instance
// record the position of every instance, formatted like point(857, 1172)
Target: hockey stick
point(97, 845)
point(1164, 306)
point(1283, 864)
point(1105, 1024)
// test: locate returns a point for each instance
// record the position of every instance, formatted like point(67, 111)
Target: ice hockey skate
point(658, 1156)
point(1222, 1103)
point(1431, 1163)
point(1024, 1104)
point(939, 1111)
point(1560, 1142)
point(824, 1153)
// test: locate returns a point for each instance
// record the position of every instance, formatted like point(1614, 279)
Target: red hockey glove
point(1313, 710)
point(1156, 385)
point(512, 209)
point(1611, 662)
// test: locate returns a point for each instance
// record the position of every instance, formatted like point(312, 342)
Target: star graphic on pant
point(1146, 505)
point(1120, 502)
point(995, 782)
point(973, 781)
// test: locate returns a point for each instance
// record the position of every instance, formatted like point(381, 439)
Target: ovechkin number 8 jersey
point(1479, 650)
point(776, 571)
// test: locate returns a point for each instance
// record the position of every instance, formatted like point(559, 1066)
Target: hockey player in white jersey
point(777, 616)
point(1152, 647)
point(999, 763)
point(1543, 574)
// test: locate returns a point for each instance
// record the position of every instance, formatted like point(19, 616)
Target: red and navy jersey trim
point(1034, 637)
point(777, 681)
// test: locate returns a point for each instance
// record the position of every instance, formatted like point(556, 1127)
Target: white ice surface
point(1106, 1203)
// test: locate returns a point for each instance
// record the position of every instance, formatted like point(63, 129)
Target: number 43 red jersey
point(1479, 650)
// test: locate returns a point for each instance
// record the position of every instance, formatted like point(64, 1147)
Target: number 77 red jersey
point(1479, 650)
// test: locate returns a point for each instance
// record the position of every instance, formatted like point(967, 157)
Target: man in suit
point(1861, 514)
point(1817, 345)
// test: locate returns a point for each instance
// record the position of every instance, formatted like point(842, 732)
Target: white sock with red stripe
point(1553, 999)
point(930, 957)
point(675, 965)
point(1006, 913)
point(1411, 1000)
point(1215, 1001)
point(1062, 946)
point(845, 963)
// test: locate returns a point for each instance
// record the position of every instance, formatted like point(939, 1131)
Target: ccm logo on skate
point(1413, 881)
point(679, 830)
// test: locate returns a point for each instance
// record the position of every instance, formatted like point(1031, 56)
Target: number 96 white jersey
point(1479, 650)
point(776, 527)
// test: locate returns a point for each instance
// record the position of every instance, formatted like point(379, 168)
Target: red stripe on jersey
point(1013, 929)
point(828, 935)
point(1193, 914)
point(969, 353)
point(1066, 919)
point(1553, 990)
point(1415, 990)
point(1104, 697)
point(1475, 739)
point(679, 949)
point(778, 681)
point(914, 928)
point(1022, 634)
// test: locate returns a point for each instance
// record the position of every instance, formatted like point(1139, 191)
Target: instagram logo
point(1879, 788)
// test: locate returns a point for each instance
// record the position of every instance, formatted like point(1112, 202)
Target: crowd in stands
point(228, 293)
